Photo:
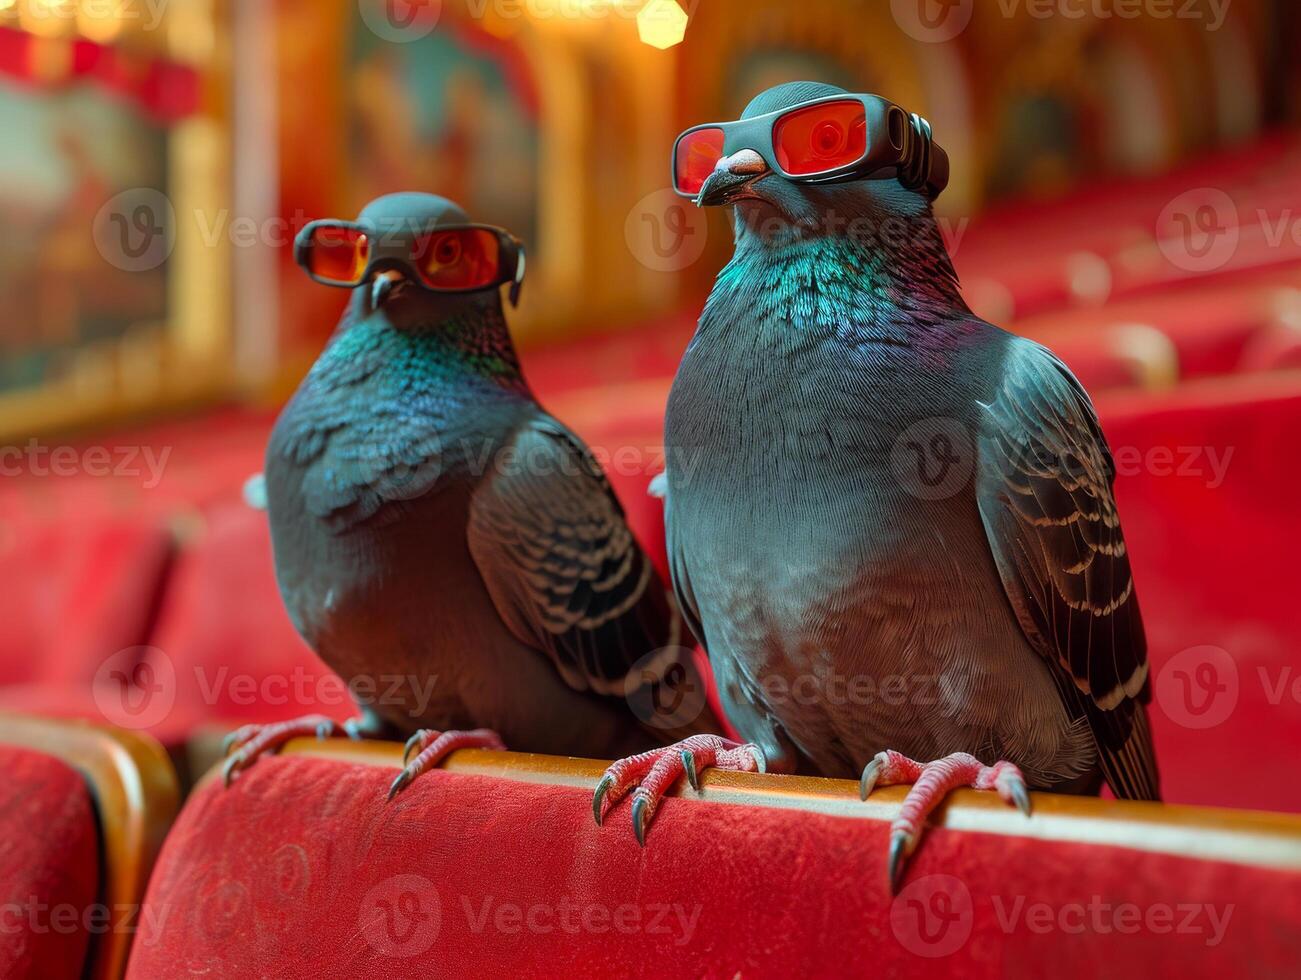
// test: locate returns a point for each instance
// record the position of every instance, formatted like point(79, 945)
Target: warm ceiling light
point(662, 23)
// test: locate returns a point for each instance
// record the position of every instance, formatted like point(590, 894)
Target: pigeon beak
point(731, 179)
point(382, 286)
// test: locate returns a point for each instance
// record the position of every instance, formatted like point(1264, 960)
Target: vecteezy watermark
point(400, 21)
point(933, 458)
point(1198, 688)
point(945, 691)
point(565, 915)
point(148, 14)
point(932, 21)
point(663, 691)
point(1101, 918)
point(135, 687)
point(1212, 13)
point(932, 917)
point(401, 916)
point(938, 21)
point(1199, 230)
point(569, 9)
point(34, 916)
point(409, 693)
point(135, 231)
point(121, 462)
point(665, 232)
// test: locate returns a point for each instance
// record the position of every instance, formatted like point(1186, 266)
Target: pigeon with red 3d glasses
point(451, 550)
point(884, 488)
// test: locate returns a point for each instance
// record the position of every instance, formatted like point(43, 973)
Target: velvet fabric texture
point(302, 870)
point(74, 592)
point(49, 868)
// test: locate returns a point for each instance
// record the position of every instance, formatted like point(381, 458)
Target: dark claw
point(601, 788)
point(689, 764)
point(228, 770)
point(867, 783)
point(404, 777)
point(1021, 797)
point(898, 856)
point(639, 819)
point(411, 743)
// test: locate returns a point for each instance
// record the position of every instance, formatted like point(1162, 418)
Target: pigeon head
point(768, 203)
point(392, 287)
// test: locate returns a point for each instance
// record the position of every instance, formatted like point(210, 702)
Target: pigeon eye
point(447, 250)
point(828, 138)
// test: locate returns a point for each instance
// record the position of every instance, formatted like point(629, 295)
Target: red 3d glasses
point(448, 258)
point(831, 139)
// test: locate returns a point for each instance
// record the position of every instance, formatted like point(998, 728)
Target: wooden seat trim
point(136, 795)
point(1248, 837)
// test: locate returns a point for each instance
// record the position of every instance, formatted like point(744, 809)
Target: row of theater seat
point(146, 599)
point(491, 866)
point(168, 630)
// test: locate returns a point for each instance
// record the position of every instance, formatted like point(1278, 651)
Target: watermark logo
point(223, 910)
point(933, 459)
point(665, 232)
point(1199, 230)
point(135, 231)
point(1198, 688)
point(401, 916)
point(932, 21)
point(401, 21)
point(676, 699)
point(932, 917)
point(135, 688)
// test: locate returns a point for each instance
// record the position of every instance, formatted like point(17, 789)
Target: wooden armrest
point(1250, 837)
point(136, 798)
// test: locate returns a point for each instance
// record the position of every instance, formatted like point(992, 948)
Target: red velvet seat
point(303, 869)
point(48, 867)
point(224, 641)
point(74, 592)
point(1207, 492)
point(83, 812)
point(1211, 329)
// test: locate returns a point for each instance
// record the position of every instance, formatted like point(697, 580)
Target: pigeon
point(897, 538)
point(448, 548)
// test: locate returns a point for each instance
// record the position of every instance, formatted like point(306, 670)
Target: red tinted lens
point(338, 254)
point(462, 258)
point(820, 138)
point(694, 160)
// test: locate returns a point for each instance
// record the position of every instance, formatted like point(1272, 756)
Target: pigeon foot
point(931, 782)
point(246, 744)
point(653, 772)
point(431, 747)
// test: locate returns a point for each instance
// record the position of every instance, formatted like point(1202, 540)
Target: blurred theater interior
point(1126, 189)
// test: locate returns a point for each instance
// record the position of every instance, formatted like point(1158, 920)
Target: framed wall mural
point(110, 283)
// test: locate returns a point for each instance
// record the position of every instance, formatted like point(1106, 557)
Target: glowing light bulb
point(662, 23)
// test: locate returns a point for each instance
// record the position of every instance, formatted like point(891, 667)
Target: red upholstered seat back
point(49, 867)
point(224, 639)
point(303, 869)
point(1207, 493)
point(73, 592)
